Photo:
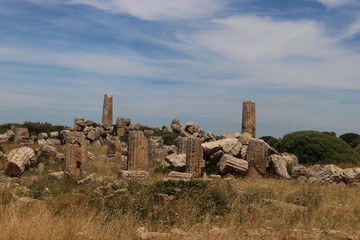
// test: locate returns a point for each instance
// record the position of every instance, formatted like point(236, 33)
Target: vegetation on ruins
point(270, 140)
point(312, 147)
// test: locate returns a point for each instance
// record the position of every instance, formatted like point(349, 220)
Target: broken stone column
point(181, 143)
point(21, 135)
point(107, 117)
point(156, 151)
point(138, 154)
point(249, 118)
point(78, 120)
point(120, 127)
point(175, 125)
point(18, 160)
point(194, 157)
point(258, 153)
point(75, 155)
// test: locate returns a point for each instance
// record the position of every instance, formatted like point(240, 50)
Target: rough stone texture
point(329, 174)
point(1, 154)
point(249, 118)
point(42, 135)
point(75, 155)
point(48, 150)
point(133, 174)
point(179, 176)
point(257, 155)
point(181, 143)
point(107, 117)
point(138, 153)
point(18, 160)
point(176, 160)
point(194, 157)
point(4, 138)
point(54, 134)
point(57, 175)
point(350, 174)
point(253, 173)
point(279, 163)
point(156, 151)
point(21, 135)
point(114, 150)
point(175, 126)
point(230, 164)
point(230, 146)
point(148, 132)
point(79, 121)
point(214, 158)
point(53, 141)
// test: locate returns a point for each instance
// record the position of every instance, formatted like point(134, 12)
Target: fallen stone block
point(179, 176)
point(230, 164)
point(133, 174)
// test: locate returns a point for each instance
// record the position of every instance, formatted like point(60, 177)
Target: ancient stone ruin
point(107, 117)
point(75, 155)
point(249, 118)
point(138, 153)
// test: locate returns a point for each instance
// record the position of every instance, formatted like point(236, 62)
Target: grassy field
point(228, 209)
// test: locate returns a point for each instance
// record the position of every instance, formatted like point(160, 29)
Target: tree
point(352, 139)
point(270, 140)
point(314, 147)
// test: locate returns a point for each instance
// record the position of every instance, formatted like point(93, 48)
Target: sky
point(196, 60)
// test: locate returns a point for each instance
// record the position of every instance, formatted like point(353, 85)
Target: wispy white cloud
point(336, 3)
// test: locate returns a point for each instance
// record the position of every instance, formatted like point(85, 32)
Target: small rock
point(179, 176)
point(57, 175)
point(133, 174)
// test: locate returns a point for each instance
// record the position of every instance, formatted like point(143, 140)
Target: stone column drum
point(249, 118)
point(107, 117)
point(156, 151)
point(120, 127)
point(194, 157)
point(21, 135)
point(181, 145)
point(75, 155)
point(138, 153)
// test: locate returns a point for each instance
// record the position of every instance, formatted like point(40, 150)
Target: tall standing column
point(194, 156)
point(107, 117)
point(138, 154)
point(75, 155)
point(249, 118)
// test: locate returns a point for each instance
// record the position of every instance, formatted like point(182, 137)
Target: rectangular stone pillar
point(181, 144)
point(120, 127)
point(249, 118)
point(194, 156)
point(258, 153)
point(156, 151)
point(138, 153)
point(107, 117)
point(75, 155)
point(21, 135)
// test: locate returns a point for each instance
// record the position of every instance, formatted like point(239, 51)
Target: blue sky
point(196, 60)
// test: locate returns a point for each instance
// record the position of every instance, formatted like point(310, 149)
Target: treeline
point(313, 147)
point(34, 127)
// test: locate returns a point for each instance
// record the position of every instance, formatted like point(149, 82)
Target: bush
point(312, 147)
point(352, 139)
point(34, 127)
point(270, 140)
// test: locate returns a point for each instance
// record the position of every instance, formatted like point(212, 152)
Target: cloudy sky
point(196, 60)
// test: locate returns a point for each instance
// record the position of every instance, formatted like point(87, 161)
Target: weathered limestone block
point(279, 163)
point(258, 155)
point(114, 150)
point(4, 138)
point(156, 151)
point(149, 132)
point(53, 141)
point(179, 176)
point(215, 158)
point(138, 154)
point(75, 155)
point(54, 134)
point(230, 164)
point(194, 157)
point(175, 126)
point(107, 117)
point(249, 118)
point(176, 160)
point(42, 135)
point(350, 174)
point(21, 135)
point(127, 121)
point(133, 174)
point(120, 127)
point(18, 160)
point(230, 146)
point(79, 124)
point(329, 174)
point(48, 150)
point(181, 143)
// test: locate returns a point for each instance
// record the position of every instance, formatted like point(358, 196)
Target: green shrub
point(352, 139)
point(270, 140)
point(34, 127)
point(312, 147)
